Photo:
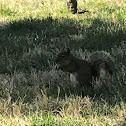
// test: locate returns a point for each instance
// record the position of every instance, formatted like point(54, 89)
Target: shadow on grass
point(29, 43)
point(100, 35)
point(50, 34)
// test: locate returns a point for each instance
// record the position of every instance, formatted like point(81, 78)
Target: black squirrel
point(72, 6)
point(81, 71)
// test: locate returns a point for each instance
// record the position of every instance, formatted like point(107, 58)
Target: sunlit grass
point(75, 111)
point(103, 9)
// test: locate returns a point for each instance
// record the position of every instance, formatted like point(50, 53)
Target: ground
point(32, 92)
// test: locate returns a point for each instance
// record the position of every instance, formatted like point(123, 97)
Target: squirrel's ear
point(68, 50)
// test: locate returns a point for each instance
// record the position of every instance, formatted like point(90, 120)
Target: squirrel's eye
point(63, 56)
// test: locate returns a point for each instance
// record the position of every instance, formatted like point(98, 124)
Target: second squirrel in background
point(81, 71)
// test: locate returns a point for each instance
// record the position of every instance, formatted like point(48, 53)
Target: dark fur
point(70, 63)
point(72, 6)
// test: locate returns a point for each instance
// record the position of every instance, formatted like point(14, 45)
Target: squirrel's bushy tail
point(102, 64)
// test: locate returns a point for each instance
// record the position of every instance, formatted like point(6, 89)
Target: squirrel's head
point(63, 59)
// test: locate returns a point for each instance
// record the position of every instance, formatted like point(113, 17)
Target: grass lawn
point(32, 92)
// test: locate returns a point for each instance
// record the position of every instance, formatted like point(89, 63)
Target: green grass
point(32, 92)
